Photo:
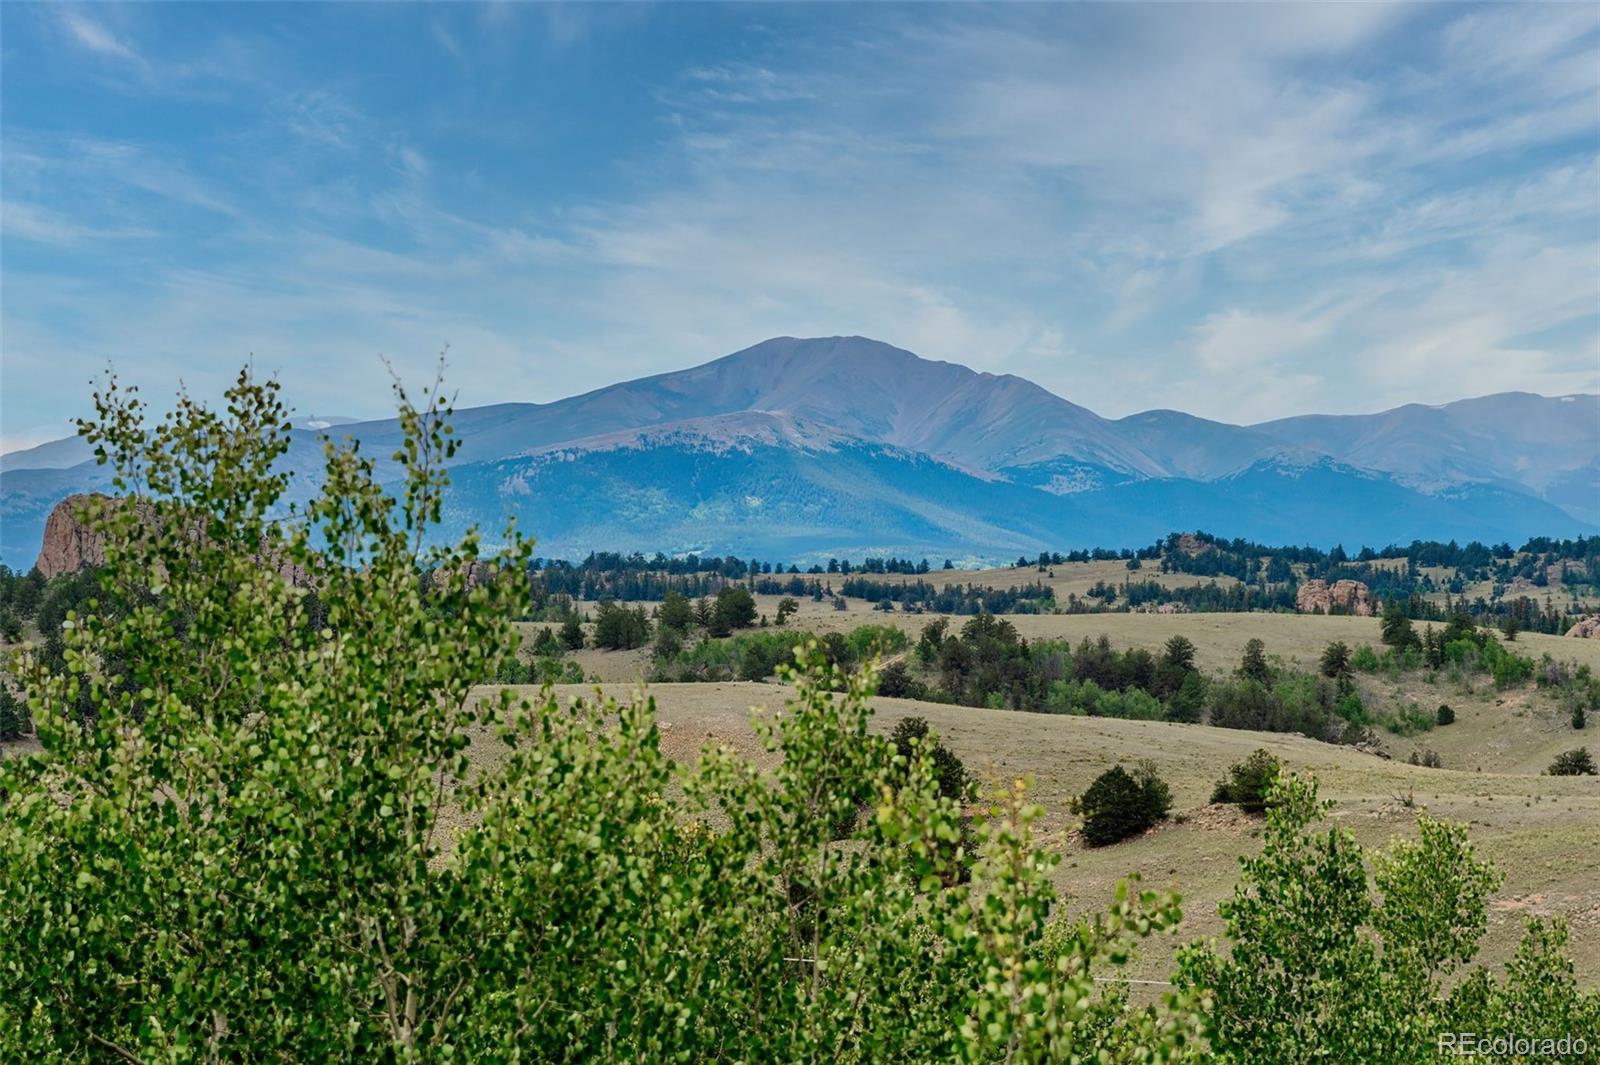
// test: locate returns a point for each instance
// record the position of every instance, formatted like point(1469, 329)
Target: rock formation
point(68, 544)
point(1587, 628)
point(1341, 597)
point(1559, 572)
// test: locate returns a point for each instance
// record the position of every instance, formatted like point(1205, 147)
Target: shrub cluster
point(759, 655)
point(616, 628)
point(1573, 763)
point(911, 734)
point(989, 664)
point(1119, 804)
point(1249, 782)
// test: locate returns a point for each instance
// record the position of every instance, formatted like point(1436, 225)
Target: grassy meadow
point(1543, 833)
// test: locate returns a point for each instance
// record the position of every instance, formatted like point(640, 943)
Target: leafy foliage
point(1323, 969)
point(250, 801)
point(1539, 998)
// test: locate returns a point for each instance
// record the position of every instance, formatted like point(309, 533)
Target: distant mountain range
point(803, 448)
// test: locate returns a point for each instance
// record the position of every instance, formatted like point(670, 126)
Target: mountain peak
point(804, 351)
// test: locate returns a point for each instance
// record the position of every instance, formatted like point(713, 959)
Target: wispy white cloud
point(321, 117)
point(1234, 340)
point(91, 35)
point(41, 225)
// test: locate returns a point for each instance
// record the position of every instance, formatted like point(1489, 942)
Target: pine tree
point(1573, 763)
point(572, 633)
point(14, 720)
point(675, 612)
point(1179, 653)
point(1397, 628)
point(1432, 647)
point(1336, 660)
point(1254, 663)
point(786, 607)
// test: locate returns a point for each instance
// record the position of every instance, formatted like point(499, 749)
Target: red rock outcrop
point(1587, 628)
point(68, 544)
point(1341, 597)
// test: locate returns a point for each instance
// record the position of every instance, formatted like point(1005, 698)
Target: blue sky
point(1243, 211)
